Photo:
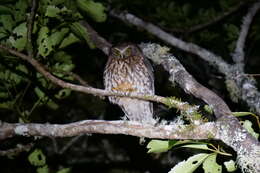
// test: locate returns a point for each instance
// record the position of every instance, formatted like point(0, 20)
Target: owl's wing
point(150, 73)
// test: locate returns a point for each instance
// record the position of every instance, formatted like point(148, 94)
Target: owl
point(127, 70)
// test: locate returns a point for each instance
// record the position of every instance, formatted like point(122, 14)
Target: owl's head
point(124, 50)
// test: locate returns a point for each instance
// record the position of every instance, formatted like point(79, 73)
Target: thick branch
point(108, 127)
point(239, 54)
point(178, 74)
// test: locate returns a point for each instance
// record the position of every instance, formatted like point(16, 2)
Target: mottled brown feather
point(130, 71)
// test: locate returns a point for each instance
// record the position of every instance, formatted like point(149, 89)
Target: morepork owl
point(127, 70)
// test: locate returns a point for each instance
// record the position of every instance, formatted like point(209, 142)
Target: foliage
point(55, 27)
point(207, 160)
point(38, 159)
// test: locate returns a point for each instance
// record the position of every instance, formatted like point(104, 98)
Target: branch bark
point(30, 23)
point(99, 42)
point(173, 131)
point(239, 54)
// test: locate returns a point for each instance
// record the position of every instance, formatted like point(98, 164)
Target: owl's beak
point(122, 55)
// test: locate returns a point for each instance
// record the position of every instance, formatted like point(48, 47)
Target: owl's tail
point(138, 110)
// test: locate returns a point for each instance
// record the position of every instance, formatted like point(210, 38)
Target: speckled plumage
point(127, 70)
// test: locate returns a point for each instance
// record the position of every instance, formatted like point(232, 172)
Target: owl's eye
point(128, 52)
point(116, 53)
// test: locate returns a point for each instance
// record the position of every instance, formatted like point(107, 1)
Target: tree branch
point(99, 42)
point(247, 148)
point(178, 74)
point(209, 23)
point(174, 41)
point(239, 54)
point(30, 23)
point(18, 149)
point(173, 131)
point(183, 106)
point(238, 84)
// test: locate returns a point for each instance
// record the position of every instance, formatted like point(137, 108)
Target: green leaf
point(5, 10)
point(58, 36)
point(64, 170)
point(70, 39)
point(52, 11)
point(208, 109)
point(7, 105)
point(7, 22)
point(241, 114)
point(43, 47)
point(3, 33)
point(210, 164)
point(62, 56)
point(37, 158)
point(189, 165)
point(22, 68)
point(43, 169)
point(41, 95)
point(81, 32)
point(19, 10)
point(52, 2)
point(19, 37)
point(46, 42)
point(232, 31)
point(4, 95)
point(10, 78)
point(63, 93)
point(95, 10)
point(248, 126)
point(230, 166)
point(45, 99)
point(197, 146)
point(60, 13)
point(63, 67)
point(51, 104)
point(158, 146)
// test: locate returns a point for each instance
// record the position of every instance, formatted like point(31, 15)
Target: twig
point(100, 42)
point(78, 78)
point(70, 143)
point(14, 151)
point(209, 23)
point(239, 54)
point(30, 22)
point(253, 75)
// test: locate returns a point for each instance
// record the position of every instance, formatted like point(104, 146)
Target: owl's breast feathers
point(122, 74)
